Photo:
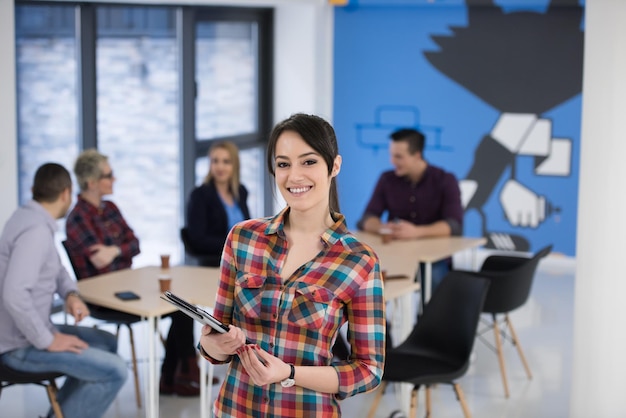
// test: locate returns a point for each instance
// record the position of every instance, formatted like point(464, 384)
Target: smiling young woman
point(288, 283)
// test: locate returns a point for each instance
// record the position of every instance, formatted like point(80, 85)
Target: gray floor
point(544, 326)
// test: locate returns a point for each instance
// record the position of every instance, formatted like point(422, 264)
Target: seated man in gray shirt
point(30, 274)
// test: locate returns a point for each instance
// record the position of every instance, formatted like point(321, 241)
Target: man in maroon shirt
point(418, 199)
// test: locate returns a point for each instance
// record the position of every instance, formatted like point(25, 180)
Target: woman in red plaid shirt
point(99, 241)
point(288, 283)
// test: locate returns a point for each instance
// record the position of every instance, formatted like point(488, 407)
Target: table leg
point(206, 383)
point(405, 315)
point(205, 388)
point(152, 395)
point(428, 277)
point(474, 257)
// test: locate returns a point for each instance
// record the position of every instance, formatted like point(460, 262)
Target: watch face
point(287, 383)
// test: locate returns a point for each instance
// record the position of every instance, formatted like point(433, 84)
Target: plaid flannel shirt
point(298, 318)
point(87, 225)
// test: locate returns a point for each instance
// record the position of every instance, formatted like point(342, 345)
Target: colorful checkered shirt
point(298, 319)
point(87, 225)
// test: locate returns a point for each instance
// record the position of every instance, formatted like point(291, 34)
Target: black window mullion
point(86, 41)
point(265, 107)
point(185, 29)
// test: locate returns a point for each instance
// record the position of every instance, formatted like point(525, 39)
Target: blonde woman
point(98, 241)
point(216, 205)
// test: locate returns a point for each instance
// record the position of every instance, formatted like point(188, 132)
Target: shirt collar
point(50, 221)
point(87, 206)
point(330, 236)
point(407, 179)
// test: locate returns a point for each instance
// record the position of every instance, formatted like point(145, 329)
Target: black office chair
point(10, 377)
point(200, 259)
point(511, 280)
point(118, 319)
point(439, 347)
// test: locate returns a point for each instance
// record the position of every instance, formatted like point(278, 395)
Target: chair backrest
point(449, 321)
point(202, 259)
point(184, 236)
point(511, 280)
point(69, 256)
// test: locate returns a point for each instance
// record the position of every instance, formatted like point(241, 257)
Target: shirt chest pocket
point(311, 306)
point(249, 294)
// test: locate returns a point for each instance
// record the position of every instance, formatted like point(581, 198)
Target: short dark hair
point(319, 135)
point(413, 137)
point(51, 179)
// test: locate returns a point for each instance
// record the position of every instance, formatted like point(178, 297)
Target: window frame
point(186, 17)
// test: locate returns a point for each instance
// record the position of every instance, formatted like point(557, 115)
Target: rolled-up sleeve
point(367, 333)
point(224, 299)
point(452, 209)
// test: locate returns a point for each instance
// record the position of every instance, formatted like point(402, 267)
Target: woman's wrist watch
point(290, 381)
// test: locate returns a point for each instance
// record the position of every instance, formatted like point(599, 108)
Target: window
point(124, 79)
point(137, 113)
point(46, 90)
point(226, 79)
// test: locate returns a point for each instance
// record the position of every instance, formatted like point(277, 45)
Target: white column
point(8, 132)
point(599, 361)
point(303, 65)
point(303, 59)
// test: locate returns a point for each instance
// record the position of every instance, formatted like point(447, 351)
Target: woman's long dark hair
point(319, 135)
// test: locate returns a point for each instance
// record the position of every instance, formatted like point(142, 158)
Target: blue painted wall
point(385, 79)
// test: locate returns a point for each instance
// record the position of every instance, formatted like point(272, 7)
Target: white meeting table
point(198, 285)
point(404, 256)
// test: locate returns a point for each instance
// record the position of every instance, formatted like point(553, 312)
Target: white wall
point(599, 339)
point(303, 61)
point(8, 138)
point(302, 64)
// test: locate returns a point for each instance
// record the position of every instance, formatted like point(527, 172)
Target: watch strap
point(72, 293)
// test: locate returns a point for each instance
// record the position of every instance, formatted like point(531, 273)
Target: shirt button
point(282, 287)
point(274, 316)
point(271, 345)
point(266, 399)
point(413, 215)
point(412, 199)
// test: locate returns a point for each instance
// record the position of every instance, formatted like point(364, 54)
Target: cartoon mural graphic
point(523, 63)
point(389, 118)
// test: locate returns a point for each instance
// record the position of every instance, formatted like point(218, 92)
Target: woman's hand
point(220, 346)
point(103, 255)
point(262, 367)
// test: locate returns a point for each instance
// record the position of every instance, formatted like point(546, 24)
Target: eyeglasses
point(109, 175)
